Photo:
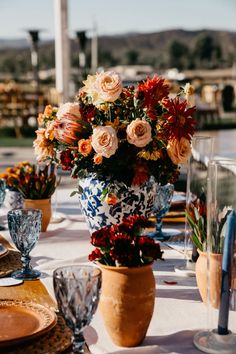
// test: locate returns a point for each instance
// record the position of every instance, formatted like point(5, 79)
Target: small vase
point(215, 272)
point(127, 302)
point(132, 200)
point(13, 199)
point(45, 206)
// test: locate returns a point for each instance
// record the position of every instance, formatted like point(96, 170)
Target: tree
point(207, 52)
point(178, 53)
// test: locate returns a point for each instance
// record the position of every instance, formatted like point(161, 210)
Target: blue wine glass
point(24, 227)
point(162, 202)
point(2, 196)
point(77, 290)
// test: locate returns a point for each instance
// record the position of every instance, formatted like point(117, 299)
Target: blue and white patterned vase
point(132, 200)
point(13, 199)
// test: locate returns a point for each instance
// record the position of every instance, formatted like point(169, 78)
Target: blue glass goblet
point(77, 290)
point(162, 202)
point(2, 196)
point(24, 227)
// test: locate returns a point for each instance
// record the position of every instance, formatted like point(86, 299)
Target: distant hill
point(180, 48)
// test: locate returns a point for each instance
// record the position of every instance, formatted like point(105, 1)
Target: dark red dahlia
point(66, 160)
point(151, 92)
point(179, 119)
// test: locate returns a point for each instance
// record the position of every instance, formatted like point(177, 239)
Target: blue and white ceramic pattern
point(134, 200)
point(13, 199)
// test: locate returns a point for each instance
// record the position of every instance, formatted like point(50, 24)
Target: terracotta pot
point(215, 270)
point(127, 302)
point(45, 206)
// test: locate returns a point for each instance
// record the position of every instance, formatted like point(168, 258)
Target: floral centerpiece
point(32, 181)
point(121, 136)
point(124, 245)
point(126, 134)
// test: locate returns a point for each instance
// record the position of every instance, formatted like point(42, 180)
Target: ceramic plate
point(3, 250)
point(22, 320)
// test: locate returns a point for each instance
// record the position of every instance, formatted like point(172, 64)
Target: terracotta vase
point(127, 303)
point(215, 272)
point(45, 206)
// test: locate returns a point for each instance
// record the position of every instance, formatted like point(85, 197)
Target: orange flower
point(85, 147)
point(48, 110)
point(42, 146)
point(97, 159)
point(40, 119)
point(111, 199)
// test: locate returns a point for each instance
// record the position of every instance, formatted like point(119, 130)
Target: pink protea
point(66, 130)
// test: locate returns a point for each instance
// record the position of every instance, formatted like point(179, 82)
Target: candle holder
point(217, 282)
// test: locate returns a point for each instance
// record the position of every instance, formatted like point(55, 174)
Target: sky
point(117, 16)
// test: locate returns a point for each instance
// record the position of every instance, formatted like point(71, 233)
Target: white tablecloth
point(178, 312)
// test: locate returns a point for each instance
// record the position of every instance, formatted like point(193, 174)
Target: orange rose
point(85, 147)
point(111, 199)
point(40, 119)
point(97, 159)
point(179, 151)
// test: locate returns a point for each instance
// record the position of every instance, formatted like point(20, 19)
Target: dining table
point(178, 313)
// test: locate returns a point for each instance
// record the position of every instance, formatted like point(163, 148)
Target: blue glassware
point(24, 227)
point(162, 202)
point(77, 290)
point(2, 196)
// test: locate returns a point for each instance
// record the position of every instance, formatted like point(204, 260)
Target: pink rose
point(104, 141)
point(69, 109)
point(139, 133)
point(109, 86)
point(179, 151)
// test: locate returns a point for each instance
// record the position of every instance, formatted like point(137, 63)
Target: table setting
point(102, 279)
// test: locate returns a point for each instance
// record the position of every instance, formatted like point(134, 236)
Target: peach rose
point(85, 147)
point(104, 141)
point(179, 151)
point(109, 86)
point(71, 110)
point(97, 159)
point(139, 133)
point(43, 147)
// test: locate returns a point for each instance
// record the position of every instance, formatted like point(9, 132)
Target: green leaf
point(74, 193)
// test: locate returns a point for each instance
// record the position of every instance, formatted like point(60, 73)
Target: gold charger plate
point(23, 320)
point(3, 251)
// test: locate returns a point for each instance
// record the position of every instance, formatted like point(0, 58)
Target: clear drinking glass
point(2, 196)
point(77, 290)
point(218, 281)
point(197, 170)
point(24, 227)
point(162, 202)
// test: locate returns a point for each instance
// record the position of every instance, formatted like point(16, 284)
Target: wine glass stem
point(78, 342)
point(159, 225)
point(26, 262)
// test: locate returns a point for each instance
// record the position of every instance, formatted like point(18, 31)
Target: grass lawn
point(13, 142)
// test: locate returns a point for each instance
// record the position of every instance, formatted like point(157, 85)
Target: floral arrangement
point(32, 181)
point(123, 245)
point(125, 134)
point(197, 218)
